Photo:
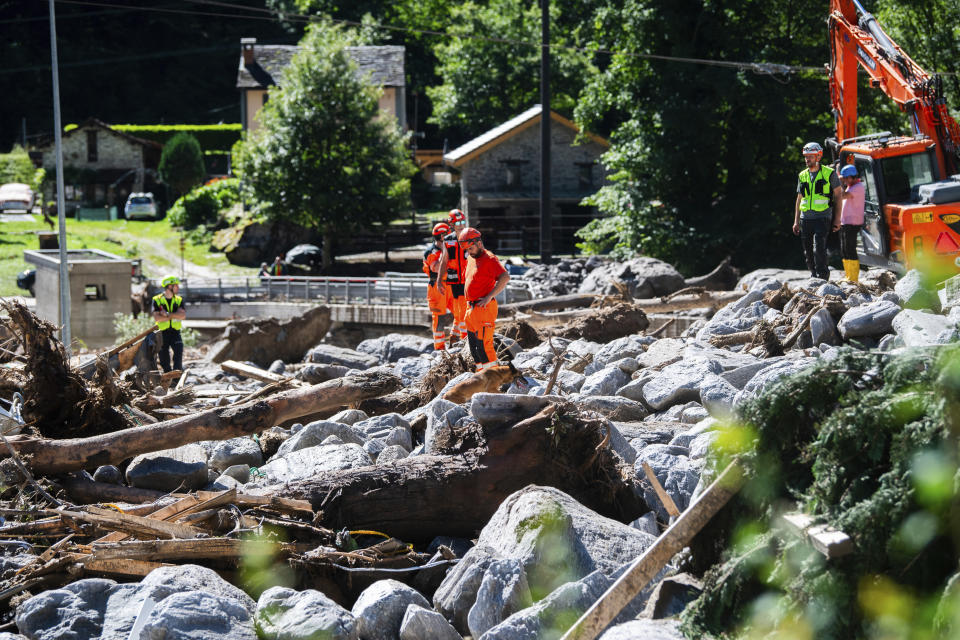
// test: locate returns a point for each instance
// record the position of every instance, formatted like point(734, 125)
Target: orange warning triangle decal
point(946, 244)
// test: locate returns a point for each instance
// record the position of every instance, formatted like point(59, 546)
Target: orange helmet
point(468, 234)
point(441, 229)
point(456, 217)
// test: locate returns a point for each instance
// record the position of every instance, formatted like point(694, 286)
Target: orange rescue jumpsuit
point(456, 302)
point(436, 300)
point(481, 276)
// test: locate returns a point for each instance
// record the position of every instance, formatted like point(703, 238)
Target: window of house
point(513, 180)
point(585, 175)
point(91, 146)
point(95, 291)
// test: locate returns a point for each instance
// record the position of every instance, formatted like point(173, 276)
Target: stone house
point(262, 65)
point(101, 166)
point(500, 182)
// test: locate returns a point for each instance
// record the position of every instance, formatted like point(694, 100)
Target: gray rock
point(329, 354)
point(108, 473)
point(239, 472)
point(308, 462)
point(627, 365)
point(377, 426)
point(392, 454)
point(285, 614)
point(198, 615)
point(315, 433)
point(679, 382)
point(412, 370)
point(317, 373)
point(823, 329)
point(393, 346)
point(190, 577)
point(625, 347)
point(684, 438)
point(235, 451)
point(422, 624)
point(614, 407)
point(676, 472)
point(380, 609)
point(916, 293)
point(277, 366)
point(557, 539)
point(891, 296)
point(661, 353)
point(605, 382)
point(348, 416)
point(437, 411)
point(647, 523)
point(644, 277)
point(919, 328)
point(701, 446)
point(183, 468)
point(646, 629)
point(570, 381)
point(503, 591)
point(869, 319)
point(887, 342)
point(829, 289)
point(769, 376)
point(672, 595)
point(729, 361)
point(693, 414)
point(493, 409)
point(633, 390)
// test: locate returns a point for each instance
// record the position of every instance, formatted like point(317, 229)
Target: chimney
point(246, 46)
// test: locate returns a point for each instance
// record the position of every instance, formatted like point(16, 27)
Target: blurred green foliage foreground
point(866, 442)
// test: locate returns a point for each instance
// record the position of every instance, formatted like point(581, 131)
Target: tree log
point(417, 498)
point(58, 456)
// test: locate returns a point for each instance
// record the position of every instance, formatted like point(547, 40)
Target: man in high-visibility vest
point(485, 279)
point(169, 312)
point(437, 299)
point(817, 209)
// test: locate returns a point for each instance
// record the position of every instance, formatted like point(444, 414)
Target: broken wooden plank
point(119, 567)
point(185, 550)
point(164, 513)
point(592, 623)
point(830, 542)
point(276, 503)
point(665, 498)
point(256, 373)
point(109, 519)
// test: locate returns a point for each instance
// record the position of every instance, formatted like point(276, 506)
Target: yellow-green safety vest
point(169, 306)
point(817, 196)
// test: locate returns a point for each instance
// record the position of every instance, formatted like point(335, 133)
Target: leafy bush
point(16, 166)
point(203, 205)
point(181, 163)
point(126, 327)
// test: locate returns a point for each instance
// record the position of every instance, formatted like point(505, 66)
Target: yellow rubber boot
point(846, 270)
point(854, 271)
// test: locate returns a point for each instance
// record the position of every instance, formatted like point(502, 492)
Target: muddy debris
point(607, 324)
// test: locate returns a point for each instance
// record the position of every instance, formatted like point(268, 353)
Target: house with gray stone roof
point(262, 65)
point(500, 182)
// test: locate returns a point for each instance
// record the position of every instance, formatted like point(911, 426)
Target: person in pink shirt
point(851, 220)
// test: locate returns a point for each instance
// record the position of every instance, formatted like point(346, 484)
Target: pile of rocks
point(542, 558)
point(644, 277)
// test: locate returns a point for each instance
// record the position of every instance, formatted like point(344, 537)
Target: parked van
point(16, 196)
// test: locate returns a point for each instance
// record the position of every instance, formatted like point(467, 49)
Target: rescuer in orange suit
point(453, 263)
point(436, 297)
point(485, 279)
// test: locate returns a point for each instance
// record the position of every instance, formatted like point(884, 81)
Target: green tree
point(16, 166)
point(181, 163)
point(324, 157)
point(489, 79)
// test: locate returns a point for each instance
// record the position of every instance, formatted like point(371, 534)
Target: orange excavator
point(912, 212)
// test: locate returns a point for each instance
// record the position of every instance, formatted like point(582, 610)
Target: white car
point(140, 206)
point(15, 196)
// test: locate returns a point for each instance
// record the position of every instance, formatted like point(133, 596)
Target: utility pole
point(65, 336)
point(546, 222)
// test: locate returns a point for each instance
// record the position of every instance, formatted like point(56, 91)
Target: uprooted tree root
point(607, 323)
point(525, 335)
point(57, 402)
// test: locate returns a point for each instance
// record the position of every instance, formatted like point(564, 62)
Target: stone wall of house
point(113, 151)
point(488, 171)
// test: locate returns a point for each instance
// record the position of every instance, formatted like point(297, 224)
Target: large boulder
point(420, 623)
point(917, 292)
point(305, 463)
point(604, 382)
point(263, 340)
point(198, 615)
point(315, 433)
point(679, 382)
point(393, 346)
point(677, 474)
point(330, 354)
point(871, 319)
point(644, 277)
point(919, 328)
point(233, 452)
point(556, 539)
point(285, 614)
point(380, 609)
point(184, 468)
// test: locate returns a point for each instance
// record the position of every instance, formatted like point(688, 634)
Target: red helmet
point(441, 229)
point(468, 234)
point(456, 217)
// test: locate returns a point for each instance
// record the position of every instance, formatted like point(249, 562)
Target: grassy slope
point(155, 242)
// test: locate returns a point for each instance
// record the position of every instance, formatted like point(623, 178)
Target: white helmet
point(813, 149)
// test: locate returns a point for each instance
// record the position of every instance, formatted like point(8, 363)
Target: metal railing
point(395, 289)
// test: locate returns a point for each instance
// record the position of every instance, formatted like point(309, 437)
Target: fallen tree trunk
point(649, 305)
point(455, 494)
point(58, 456)
point(723, 278)
point(553, 303)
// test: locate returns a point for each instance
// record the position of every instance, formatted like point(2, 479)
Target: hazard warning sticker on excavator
point(922, 217)
point(946, 244)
